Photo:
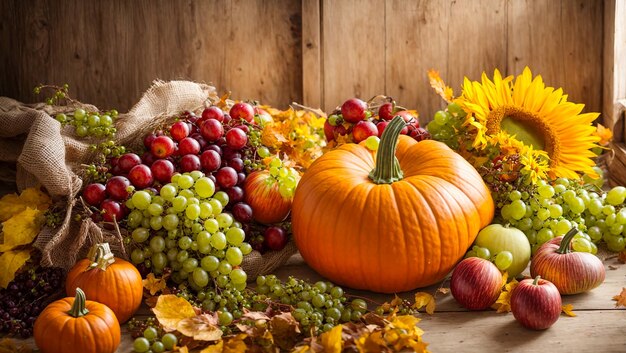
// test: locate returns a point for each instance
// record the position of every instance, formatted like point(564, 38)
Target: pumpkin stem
point(78, 308)
point(567, 239)
point(101, 256)
point(387, 169)
point(536, 281)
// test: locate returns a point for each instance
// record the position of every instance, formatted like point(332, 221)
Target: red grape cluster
point(26, 296)
point(358, 122)
point(220, 144)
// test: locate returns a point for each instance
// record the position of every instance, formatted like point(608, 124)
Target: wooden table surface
point(598, 326)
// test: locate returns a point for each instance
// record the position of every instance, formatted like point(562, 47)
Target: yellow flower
point(534, 115)
point(535, 164)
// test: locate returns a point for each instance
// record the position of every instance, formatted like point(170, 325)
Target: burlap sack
point(53, 157)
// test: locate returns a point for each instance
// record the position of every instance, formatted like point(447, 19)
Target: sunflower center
point(528, 127)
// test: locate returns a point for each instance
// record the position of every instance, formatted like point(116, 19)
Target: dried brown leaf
point(620, 298)
point(203, 327)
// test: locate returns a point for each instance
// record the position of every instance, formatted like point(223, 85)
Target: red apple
point(536, 304)
point(242, 111)
point(353, 110)
point(261, 192)
point(476, 283)
point(364, 129)
point(162, 147)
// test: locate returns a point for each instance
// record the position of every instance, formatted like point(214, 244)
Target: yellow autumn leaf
point(22, 228)
point(8, 345)
point(171, 309)
point(302, 349)
point(423, 299)
point(331, 340)
point(184, 349)
point(10, 262)
point(235, 344)
point(153, 284)
point(216, 348)
point(604, 133)
point(503, 303)
point(13, 204)
point(439, 86)
point(200, 328)
point(373, 342)
point(568, 309)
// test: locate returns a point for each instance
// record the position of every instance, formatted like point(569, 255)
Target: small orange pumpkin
point(108, 280)
point(393, 221)
point(77, 325)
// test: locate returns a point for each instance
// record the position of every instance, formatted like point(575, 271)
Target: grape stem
point(564, 248)
point(387, 169)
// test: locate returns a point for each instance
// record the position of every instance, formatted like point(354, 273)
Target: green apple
point(497, 238)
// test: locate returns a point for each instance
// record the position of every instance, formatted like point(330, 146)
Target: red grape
point(274, 238)
point(213, 112)
point(112, 210)
point(116, 170)
point(241, 177)
point(381, 127)
point(210, 161)
point(385, 111)
point(409, 118)
point(162, 147)
point(117, 188)
point(141, 176)
point(147, 141)
point(329, 131)
point(215, 148)
point(236, 164)
point(242, 111)
point(128, 161)
point(94, 194)
point(113, 161)
point(162, 170)
point(212, 130)
point(147, 158)
point(179, 130)
point(243, 128)
point(235, 194)
point(353, 110)
point(242, 212)
point(188, 145)
point(189, 163)
point(236, 138)
point(226, 177)
point(364, 129)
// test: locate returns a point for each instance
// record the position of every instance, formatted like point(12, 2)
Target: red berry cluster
point(358, 122)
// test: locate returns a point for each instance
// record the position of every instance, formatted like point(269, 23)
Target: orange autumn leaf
point(423, 299)
point(568, 309)
point(604, 133)
point(621, 257)
point(439, 86)
point(153, 284)
point(620, 298)
point(171, 309)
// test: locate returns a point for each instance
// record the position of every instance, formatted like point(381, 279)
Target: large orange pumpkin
point(77, 325)
point(108, 280)
point(386, 224)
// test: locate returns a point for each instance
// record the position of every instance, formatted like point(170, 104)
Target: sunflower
point(525, 110)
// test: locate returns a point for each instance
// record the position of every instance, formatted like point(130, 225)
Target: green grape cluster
point(97, 124)
point(445, 125)
point(503, 260)
point(184, 228)
point(317, 307)
point(153, 340)
point(286, 177)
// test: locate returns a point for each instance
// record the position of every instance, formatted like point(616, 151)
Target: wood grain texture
point(353, 55)
point(614, 67)
point(110, 51)
point(311, 54)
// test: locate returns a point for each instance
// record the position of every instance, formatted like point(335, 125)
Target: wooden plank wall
point(110, 51)
point(319, 52)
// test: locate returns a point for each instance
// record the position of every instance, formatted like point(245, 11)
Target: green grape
point(218, 241)
point(140, 235)
point(185, 181)
point(525, 224)
point(169, 340)
point(576, 205)
point(372, 143)
point(79, 114)
point(556, 211)
point(358, 305)
point(595, 207)
point(192, 201)
point(141, 345)
point(155, 209)
point(483, 253)
point(203, 238)
point(137, 256)
point(179, 203)
point(158, 347)
point(93, 120)
point(515, 195)
point(156, 222)
point(200, 277)
point(581, 245)
point(170, 221)
point(274, 171)
point(211, 225)
point(224, 220)
point(217, 206)
point(235, 236)
point(544, 235)
point(82, 131)
point(205, 210)
point(222, 197)
point(159, 260)
point(224, 267)
point(283, 173)
point(595, 233)
point(150, 333)
point(209, 263)
point(291, 181)
point(285, 191)
point(234, 256)
point(517, 209)
point(157, 244)
point(616, 195)
point(263, 152)
point(224, 318)
point(546, 191)
point(186, 193)
point(168, 191)
point(504, 259)
point(190, 264)
point(134, 219)
point(141, 199)
point(245, 248)
point(558, 189)
point(620, 217)
point(563, 226)
point(204, 187)
point(158, 200)
point(441, 117)
point(196, 174)
point(608, 210)
point(192, 211)
point(615, 243)
point(184, 242)
point(318, 300)
point(276, 162)
point(238, 276)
